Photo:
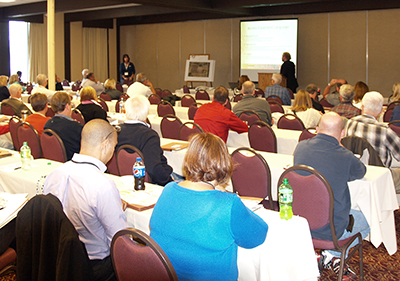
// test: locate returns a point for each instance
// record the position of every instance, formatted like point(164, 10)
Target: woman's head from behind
point(88, 93)
point(302, 101)
point(3, 80)
point(13, 78)
point(360, 88)
point(396, 92)
point(110, 84)
point(207, 159)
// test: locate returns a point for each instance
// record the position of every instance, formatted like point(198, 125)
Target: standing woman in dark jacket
point(126, 70)
point(288, 70)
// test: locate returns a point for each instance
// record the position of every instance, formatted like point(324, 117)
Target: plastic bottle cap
point(25, 143)
point(138, 159)
point(285, 181)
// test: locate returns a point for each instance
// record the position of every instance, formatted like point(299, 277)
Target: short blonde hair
point(88, 93)
point(137, 108)
point(302, 101)
point(207, 159)
point(3, 80)
point(14, 78)
point(110, 84)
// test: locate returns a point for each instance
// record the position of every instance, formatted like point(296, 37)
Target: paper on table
point(13, 203)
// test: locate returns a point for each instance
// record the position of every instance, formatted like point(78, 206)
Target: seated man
point(41, 85)
point(346, 108)
point(142, 86)
point(277, 90)
point(379, 135)
point(38, 119)
point(215, 118)
point(91, 200)
point(333, 98)
point(92, 82)
point(15, 100)
point(66, 128)
point(341, 168)
point(314, 92)
point(136, 131)
point(250, 102)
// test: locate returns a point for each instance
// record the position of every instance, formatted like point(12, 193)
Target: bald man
point(339, 166)
point(15, 100)
point(91, 200)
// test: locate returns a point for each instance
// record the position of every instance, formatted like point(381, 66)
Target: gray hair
point(277, 77)
point(85, 72)
point(347, 92)
point(137, 108)
point(41, 79)
point(15, 89)
point(141, 77)
point(372, 102)
point(248, 88)
point(311, 88)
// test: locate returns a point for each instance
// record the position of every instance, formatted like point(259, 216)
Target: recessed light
point(6, 1)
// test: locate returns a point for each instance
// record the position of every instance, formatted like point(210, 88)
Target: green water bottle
point(285, 200)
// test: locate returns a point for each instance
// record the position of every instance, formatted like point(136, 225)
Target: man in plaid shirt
point(385, 141)
point(278, 90)
point(345, 107)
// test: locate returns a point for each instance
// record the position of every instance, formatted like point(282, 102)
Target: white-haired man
point(15, 100)
point(379, 135)
point(277, 90)
point(142, 86)
point(40, 87)
point(346, 108)
point(137, 132)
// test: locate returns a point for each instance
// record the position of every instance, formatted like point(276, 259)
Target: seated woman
point(360, 88)
point(302, 108)
point(110, 89)
point(89, 107)
point(198, 225)
point(4, 93)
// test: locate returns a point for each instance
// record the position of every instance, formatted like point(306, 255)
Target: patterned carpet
point(378, 264)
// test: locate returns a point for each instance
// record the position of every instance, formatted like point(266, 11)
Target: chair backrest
point(228, 105)
point(165, 108)
point(170, 125)
point(29, 89)
point(291, 93)
point(187, 129)
point(136, 257)
point(50, 112)
point(249, 116)
point(26, 132)
point(262, 137)
point(7, 262)
point(395, 126)
point(158, 92)
point(238, 98)
point(125, 157)
point(6, 109)
point(76, 86)
point(202, 95)
point(105, 96)
point(276, 106)
point(77, 115)
point(358, 145)
point(154, 99)
point(251, 176)
point(103, 104)
point(112, 165)
point(325, 103)
point(13, 125)
point(187, 101)
point(290, 122)
point(388, 114)
point(274, 98)
point(118, 86)
point(393, 104)
point(165, 93)
point(186, 89)
point(65, 82)
point(125, 97)
point(52, 146)
point(259, 92)
point(307, 133)
point(192, 110)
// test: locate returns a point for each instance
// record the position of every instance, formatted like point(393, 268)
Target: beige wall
point(356, 46)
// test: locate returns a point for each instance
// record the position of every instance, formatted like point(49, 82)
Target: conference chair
point(274, 98)
point(26, 132)
point(388, 114)
point(249, 116)
point(154, 99)
point(202, 95)
point(187, 101)
point(393, 104)
point(395, 126)
point(290, 93)
point(158, 92)
point(50, 112)
point(361, 146)
point(262, 137)
point(192, 110)
point(103, 104)
point(238, 98)
point(165, 108)
point(170, 125)
point(7, 262)
point(65, 82)
point(124, 97)
point(276, 106)
point(313, 199)
point(187, 129)
point(118, 86)
point(112, 165)
point(6, 109)
point(290, 122)
point(13, 125)
point(307, 133)
point(77, 116)
point(52, 146)
point(165, 93)
point(125, 157)
point(137, 257)
point(186, 89)
point(228, 105)
point(29, 88)
point(259, 92)
point(76, 86)
point(252, 176)
point(325, 103)
point(105, 96)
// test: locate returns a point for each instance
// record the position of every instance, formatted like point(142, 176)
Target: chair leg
point(342, 264)
point(361, 261)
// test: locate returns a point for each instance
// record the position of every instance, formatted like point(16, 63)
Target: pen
point(17, 168)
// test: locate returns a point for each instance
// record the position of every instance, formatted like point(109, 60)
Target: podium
point(264, 80)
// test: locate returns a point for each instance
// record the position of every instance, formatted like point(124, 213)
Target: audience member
point(110, 89)
point(136, 131)
point(142, 86)
point(302, 108)
point(67, 128)
point(85, 72)
point(15, 100)
point(91, 200)
point(242, 79)
point(313, 91)
point(92, 82)
point(5, 136)
point(288, 70)
point(379, 135)
point(198, 225)
point(250, 102)
point(395, 93)
point(333, 98)
point(38, 118)
point(215, 118)
point(42, 81)
point(277, 90)
point(346, 108)
point(360, 88)
point(126, 70)
point(4, 93)
point(341, 168)
point(89, 107)
point(395, 114)
point(14, 79)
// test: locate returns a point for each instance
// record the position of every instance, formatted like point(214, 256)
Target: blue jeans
point(360, 225)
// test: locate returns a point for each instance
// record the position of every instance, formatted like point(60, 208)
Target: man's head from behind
point(221, 94)
point(372, 103)
point(39, 102)
point(346, 93)
point(59, 101)
point(312, 90)
point(248, 88)
point(137, 108)
point(99, 139)
point(15, 91)
point(41, 79)
point(331, 124)
point(90, 76)
point(141, 77)
point(276, 78)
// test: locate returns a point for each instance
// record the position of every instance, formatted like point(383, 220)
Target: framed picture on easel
point(199, 68)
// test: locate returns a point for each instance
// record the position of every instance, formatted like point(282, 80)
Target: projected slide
point(262, 43)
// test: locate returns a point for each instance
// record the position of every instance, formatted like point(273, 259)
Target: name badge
point(126, 73)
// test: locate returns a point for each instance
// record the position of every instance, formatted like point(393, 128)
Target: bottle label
point(26, 153)
point(139, 172)
point(286, 196)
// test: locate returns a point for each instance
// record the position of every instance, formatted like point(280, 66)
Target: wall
point(356, 46)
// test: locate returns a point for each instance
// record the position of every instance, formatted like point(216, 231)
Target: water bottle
point(26, 157)
point(121, 106)
point(139, 172)
point(285, 200)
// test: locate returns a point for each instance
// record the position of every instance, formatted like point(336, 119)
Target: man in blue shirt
point(278, 90)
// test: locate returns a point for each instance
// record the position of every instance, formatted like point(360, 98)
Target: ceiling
point(149, 11)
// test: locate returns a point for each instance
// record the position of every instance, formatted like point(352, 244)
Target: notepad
point(10, 204)
point(174, 146)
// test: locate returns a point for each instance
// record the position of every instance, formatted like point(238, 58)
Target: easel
point(198, 57)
